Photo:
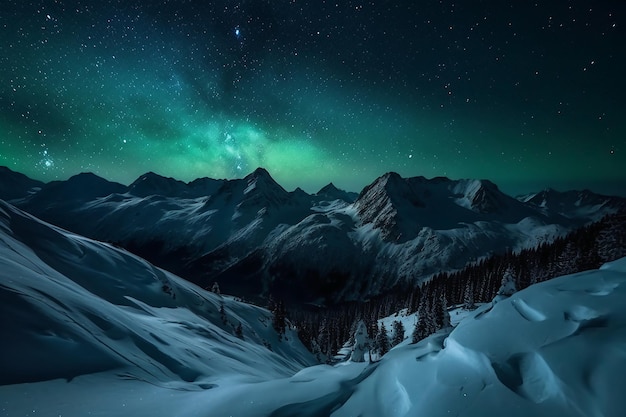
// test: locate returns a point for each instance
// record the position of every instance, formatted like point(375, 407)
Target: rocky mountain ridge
point(256, 238)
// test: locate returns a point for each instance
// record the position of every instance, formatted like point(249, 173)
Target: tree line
point(325, 330)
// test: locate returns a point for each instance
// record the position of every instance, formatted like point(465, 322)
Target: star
point(315, 92)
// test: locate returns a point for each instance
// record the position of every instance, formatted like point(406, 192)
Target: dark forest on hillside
point(326, 330)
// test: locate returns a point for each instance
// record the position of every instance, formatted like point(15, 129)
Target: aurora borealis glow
point(526, 94)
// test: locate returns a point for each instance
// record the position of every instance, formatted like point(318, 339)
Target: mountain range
point(255, 238)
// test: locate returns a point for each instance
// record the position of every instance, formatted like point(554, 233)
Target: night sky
point(526, 94)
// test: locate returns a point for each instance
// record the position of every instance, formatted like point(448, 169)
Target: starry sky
point(528, 94)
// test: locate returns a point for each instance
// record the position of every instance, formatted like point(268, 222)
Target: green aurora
point(484, 91)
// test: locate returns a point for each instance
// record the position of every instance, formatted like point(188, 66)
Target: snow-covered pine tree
point(316, 350)
point(216, 288)
point(440, 311)
point(507, 285)
point(415, 336)
point(239, 331)
point(611, 239)
point(279, 321)
point(323, 338)
point(382, 342)
point(425, 325)
point(567, 259)
point(361, 343)
point(398, 333)
point(468, 296)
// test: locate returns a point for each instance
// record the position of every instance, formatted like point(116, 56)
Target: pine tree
point(440, 311)
point(239, 331)
point(468, 296)
point(223, 314)
point(507, 285)
point(567, 259)
point(425, 325)
point(398, 333)
point(323, 338)
point(279, 318)
point(216, 288)
point(360, 343)
point(414, 334)
point(382, 342)
point(422, 330)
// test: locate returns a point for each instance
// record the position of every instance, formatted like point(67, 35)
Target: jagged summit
point(401, 207)
point(575, 202)
point(328, 188)
point(260, 172)
point(331, 192)
point(151, 183)
point(482, 196)
point(260, 179)
point(389, 203)
point(261, 188)
point(387, 185)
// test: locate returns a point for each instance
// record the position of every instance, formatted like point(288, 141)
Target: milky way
point(527, 94)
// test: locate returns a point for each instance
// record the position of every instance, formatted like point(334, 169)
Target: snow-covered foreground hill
point(90, 330)
point(73, 310)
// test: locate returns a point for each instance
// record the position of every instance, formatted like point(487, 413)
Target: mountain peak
point(150, 174)
point(387, 203)
point(83, 186)
point(482, 196)
point(330, 191)
point(260, 173)
point(89, 180)
point(151, 183)
point(328, 188)
point(85, 176)
point(579, 203)
point(262, 187)
point(391, 176)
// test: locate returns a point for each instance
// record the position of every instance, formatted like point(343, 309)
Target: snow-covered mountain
point(88, 329)
point(71, 307)
point(331, 193)
point(575, 204)
point(255, 237)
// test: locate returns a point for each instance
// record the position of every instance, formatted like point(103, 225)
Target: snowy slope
point(71, 307)
point(555, 348)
